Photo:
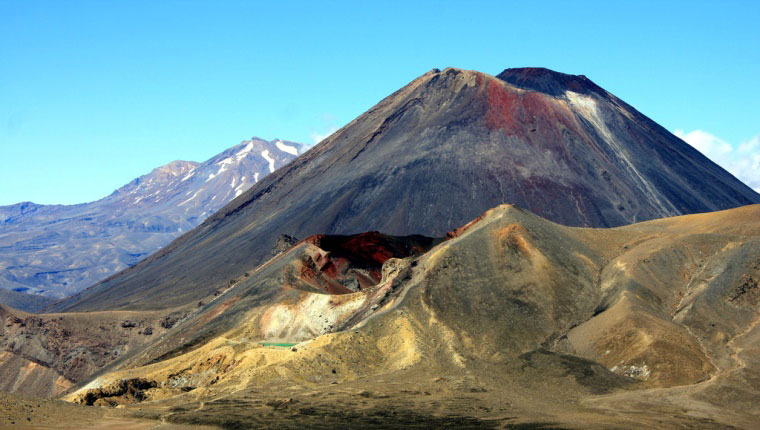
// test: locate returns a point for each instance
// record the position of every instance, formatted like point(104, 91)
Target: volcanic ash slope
point(432, 156)
point(512, 320)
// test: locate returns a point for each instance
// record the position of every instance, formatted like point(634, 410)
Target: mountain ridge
point(57, 250)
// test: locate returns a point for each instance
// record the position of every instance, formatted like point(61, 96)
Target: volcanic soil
point(513, 322)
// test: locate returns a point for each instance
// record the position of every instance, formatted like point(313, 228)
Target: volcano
point(429, 158)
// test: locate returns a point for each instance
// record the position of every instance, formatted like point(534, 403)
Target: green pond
point(286, 345)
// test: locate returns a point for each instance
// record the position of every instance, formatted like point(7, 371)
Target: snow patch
point(194, 196)
point(222, 167)
point(256, 177)
point(241, 187)
point(242, 153)
point(286, 148)
point(189, 175)
point(225, 162)
point(270, 160)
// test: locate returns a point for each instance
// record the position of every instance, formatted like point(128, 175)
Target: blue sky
point(93, 94)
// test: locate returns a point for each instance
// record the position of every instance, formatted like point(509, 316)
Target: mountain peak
point(117, 231)
point(166, 173)
point(431, 156)
point(548, 81)
point(176, 167)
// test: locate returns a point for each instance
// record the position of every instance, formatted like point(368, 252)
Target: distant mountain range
point(57, 250)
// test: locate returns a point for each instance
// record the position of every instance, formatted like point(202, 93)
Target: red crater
point(346, 264)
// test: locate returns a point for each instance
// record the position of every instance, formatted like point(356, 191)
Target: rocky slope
point(56, 250)
point(512, 322)
point(44, 355)
point(432, 156)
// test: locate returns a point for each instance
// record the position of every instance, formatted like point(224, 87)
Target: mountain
point(430, 157)
point(511, 322)
point(24, 301)
point(57, 250)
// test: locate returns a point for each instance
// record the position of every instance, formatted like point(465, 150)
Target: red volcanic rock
point(345, 264)
point(458, 231)
point(371, 249)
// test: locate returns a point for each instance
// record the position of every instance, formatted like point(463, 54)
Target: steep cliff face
point(434, 155)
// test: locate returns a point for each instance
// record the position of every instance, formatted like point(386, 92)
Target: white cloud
point(706, 143)
point(743, 161)
point(318, 137)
